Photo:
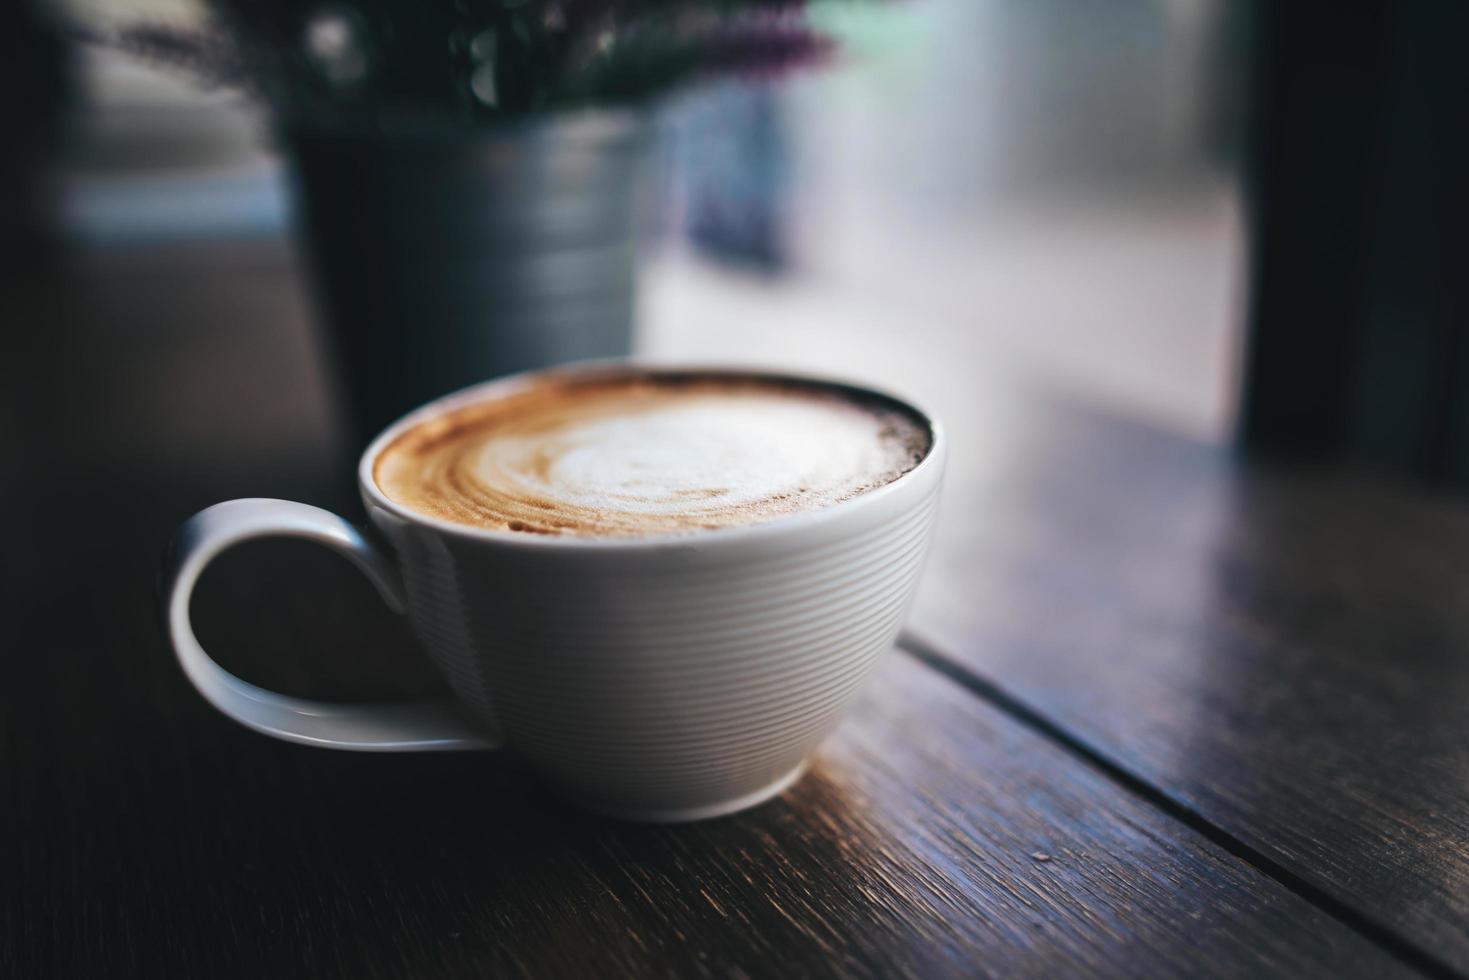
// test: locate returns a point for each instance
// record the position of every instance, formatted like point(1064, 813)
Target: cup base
point(707, 811)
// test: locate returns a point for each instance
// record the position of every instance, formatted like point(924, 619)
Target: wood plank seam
point(1379, 934)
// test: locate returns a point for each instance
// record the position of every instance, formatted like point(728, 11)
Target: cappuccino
point(641, 453)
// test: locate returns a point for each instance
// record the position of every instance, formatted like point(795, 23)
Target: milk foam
point(639, 457)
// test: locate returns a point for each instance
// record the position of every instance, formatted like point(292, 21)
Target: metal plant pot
point(444, 258)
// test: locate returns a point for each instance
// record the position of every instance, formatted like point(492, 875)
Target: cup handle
point(410, 726)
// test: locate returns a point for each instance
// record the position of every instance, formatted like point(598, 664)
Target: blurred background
point(972, 189)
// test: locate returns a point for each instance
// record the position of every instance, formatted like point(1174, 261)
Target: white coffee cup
point(660, 678)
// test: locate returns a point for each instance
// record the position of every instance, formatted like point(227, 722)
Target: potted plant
point(464, 170)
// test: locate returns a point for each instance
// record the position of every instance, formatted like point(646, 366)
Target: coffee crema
point(650, 453)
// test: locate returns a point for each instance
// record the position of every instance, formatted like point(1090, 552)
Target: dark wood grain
point(144, 835)
point(936, 837)
point(1284, 652)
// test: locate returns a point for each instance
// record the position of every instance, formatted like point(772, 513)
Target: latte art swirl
point(648, 454)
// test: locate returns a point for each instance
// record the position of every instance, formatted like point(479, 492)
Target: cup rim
point(776, 526)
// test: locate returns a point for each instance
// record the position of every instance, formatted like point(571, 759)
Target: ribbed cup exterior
point(672, 675)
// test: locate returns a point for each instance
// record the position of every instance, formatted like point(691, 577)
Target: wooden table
point(1159, 712)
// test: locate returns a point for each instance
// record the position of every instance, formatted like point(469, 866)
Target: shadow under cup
point(654, 678)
